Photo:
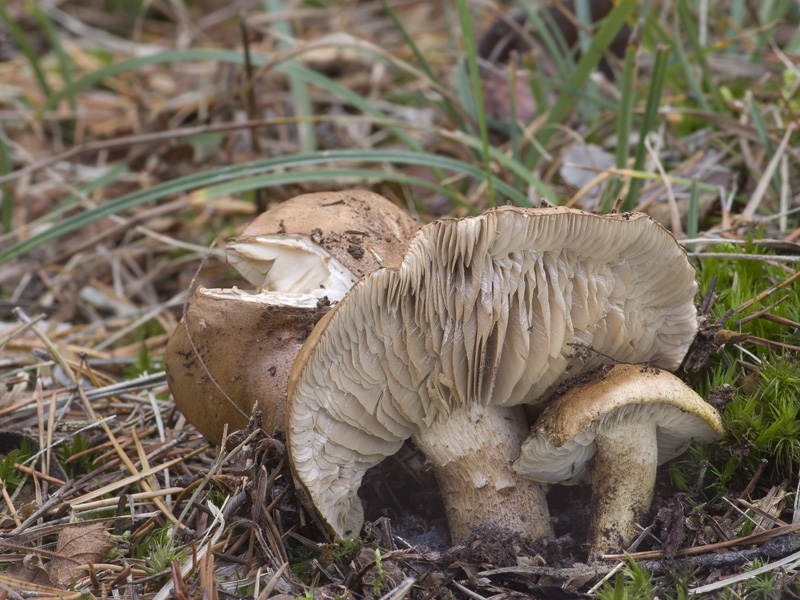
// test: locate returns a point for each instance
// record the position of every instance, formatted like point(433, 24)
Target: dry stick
point(772, 290)
point(40, 430)
point(772, 344)
point(143, 459)
point(20, 330)
point(273, 581)
point(793, 558)
point(748, 540)
point(124, 456)
point(251, 105)
point(763, 184)
point(106, 502)
point(51, 501)
point(137, 477)
point(31, 550)
point(214, 468)
point(762, 513)
point(760, 313)
point(38, 474)
point(44, 591)
point(21, 316)
point(781, 320)
point(51, 424)
point(751, 485)
point(10, 503)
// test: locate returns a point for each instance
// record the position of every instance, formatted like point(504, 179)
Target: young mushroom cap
point(613, 429)
point(479, 319)
point(301, 256)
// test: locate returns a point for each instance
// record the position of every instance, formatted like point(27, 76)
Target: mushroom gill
point(479, 319)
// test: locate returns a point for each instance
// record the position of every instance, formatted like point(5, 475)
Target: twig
point(772, 290)
point(763, 184)
point(792, 558)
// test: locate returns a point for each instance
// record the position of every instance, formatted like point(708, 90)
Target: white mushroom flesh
point(289, 263)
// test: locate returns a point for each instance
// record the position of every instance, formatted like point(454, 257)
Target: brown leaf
point(77, 547)
point(29, 570)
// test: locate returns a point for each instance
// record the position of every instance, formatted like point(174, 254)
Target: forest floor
point(136, 138)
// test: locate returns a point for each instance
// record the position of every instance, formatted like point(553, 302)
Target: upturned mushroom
point(613, 430)
point(479, 319)
point(301, 256)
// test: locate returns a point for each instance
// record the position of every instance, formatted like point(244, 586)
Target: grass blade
point(708, 81)
point(7, 191)
point(298, 89)
point(477, 91)
point(21, 39)
point(624, 120)
point(54, 41)
point(649, 121)
point(551, 36)
point(256, 172)
point(426, 68)
point(692, 223)
point(580, 75)
point(694, 85)
point(513, 125)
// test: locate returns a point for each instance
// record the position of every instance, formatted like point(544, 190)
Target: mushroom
point(612, 430)
point(301, 256)
point(479, 319)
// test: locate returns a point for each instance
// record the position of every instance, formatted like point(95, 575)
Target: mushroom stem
point(471, 452)
point(622, 484)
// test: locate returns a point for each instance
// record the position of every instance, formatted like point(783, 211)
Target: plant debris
point(135, 135)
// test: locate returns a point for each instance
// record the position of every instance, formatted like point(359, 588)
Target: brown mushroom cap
point(361, 230)
point(302, 255)
point(480, 316)
point(248, 343)
point(613, 430)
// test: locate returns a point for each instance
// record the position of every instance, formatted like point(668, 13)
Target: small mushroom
point(478, 320)
point(613, 430)
point(301, 256)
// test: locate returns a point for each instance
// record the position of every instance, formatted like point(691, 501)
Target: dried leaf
point(77, 547)
point(29, 570)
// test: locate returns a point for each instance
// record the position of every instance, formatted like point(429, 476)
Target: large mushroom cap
point(561, 445)
point(482, 312)
point(301, 256)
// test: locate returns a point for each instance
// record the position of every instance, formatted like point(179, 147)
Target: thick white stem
point(622, 485)
point(471, 454)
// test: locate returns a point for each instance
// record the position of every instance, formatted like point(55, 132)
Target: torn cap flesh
point(481, 314)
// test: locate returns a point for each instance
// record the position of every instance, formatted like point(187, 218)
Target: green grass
point(631, 583)
point(762, 420)
point(158, 550)
point(10, 476)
